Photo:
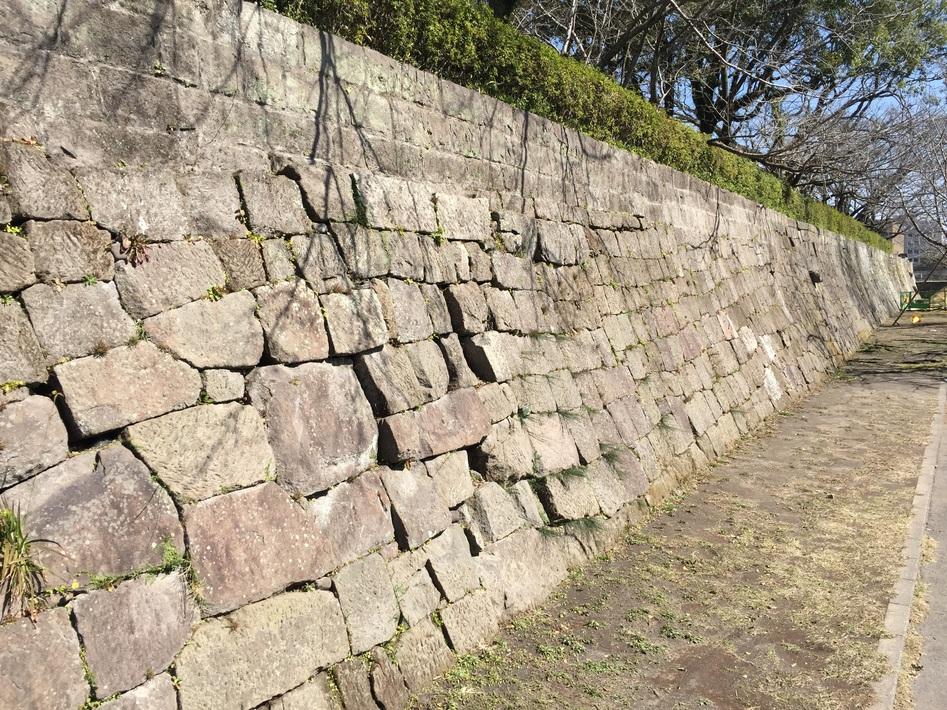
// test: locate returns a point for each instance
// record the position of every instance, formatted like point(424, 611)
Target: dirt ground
point(763, 585)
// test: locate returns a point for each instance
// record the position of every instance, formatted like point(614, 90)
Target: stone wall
point(318, 368)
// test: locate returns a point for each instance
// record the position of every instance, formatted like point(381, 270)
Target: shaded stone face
point(126, 385)
point(103, 511)
point(319, 423)
point(70, 251)
point(261, 650)
point(250, 544)
point(39, 664)
point(419, 511)
point(205, 450)
point(135, 631)
point(32, 438)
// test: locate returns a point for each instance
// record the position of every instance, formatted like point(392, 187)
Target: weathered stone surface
point(422, 654)
point(274, 204)
point(319, 423)
point(467, 307)
point(411, 320)
point(260, 651)
point(104, 512)
point(157, 694)
point(174, 274)
point(39, 664)
point(388, 682)
point(242, 262)
point(319, 261)
point(513, 271)
point(451, 476)
point(399, 438)
point(77, 320)
point(454, 421)
point(419, 512)
point(355, 517)
point(21, 357)
point(126, 385)
point(292, 322)
point(498, 399)
point(205, 450)
point(70, 251)
point(492, 514)
point(529, 503)
point(326, 189)
point(136, 201)
point(400, 378)
point(16, 263)
point(365, 251)
point(368, 602)
point(610, 492)
point(32, 438)
point(472, 620)
point(552, 443)
point(278, 260)
point(493, 356)
point(464, 218)
point(207, 333)
point(354, 684)
point(135, 631)
point(312, 695)
point(569, 497)
point(287, 546)
point(211, 203)
point(37, 187)
point(436, 308)
point(418, 597)
point(222, 385)
point(451, 566)
point(355, 321)
point(506, 453)
point(392, 203)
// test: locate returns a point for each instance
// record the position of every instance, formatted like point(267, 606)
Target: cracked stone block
point(40, 665)
point(455, 421)
point(354, 684)
point(174, 274)
point(460, 373)
point(392, 203)
point(242, 262)
point(355, 517)
point(411, 320)
point(467, 306)
point(529, 503)
point(278, 260)
point(473, 620)
point(21, 357)
point(368, 602)
point(292, 322)
point(451, 566)
point(498, 399)
point(387, 682)
point(400, 378)
point(506, 453)
point(222, 385)
point(436, 308)
point(492, 514)
point(326, 189)
point(451, 476)
point(205, 450)
point(419, 513)
point(206, 333)
point(287, 546)
point(95, 317)
point(355, 321)
point(319, 423)
point(124, 386)
point(465, 218)
point(134, 632)
point(312, 695)
point(273, 203)
point(16, 263)
point(136, 201)
point(422, 655)
point(319, 261)
point(104, 511)
point(365, 251)
point(156, 694)
point(38, 187)
point(569, 497)
point(418, 597)
point(261, 650)
point(610, 491)
point(32, 438)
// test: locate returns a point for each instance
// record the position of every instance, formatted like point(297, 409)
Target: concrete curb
point(898, 616)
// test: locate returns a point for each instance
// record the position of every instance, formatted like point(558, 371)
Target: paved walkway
point(766, 584)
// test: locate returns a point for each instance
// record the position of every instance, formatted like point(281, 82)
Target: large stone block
point(292, 322)
point(319, 422)
point(156, 694)
point(492, 514)
point(355, 517)
point(136, 202)
point(40, 665)
point(455, 421)
point(242, 262)
point(464, 218)
point(365, 251)
point(103, 511)
point(473, 620)
point(260, 651)
point(450, 563)
point(327, 190)
point(368, 602)
point(422, 655)
point(173, 275)
point(253, 543)
point(205, 450)
point(356, 321)
point(274, 204)
point(506, 453)
point(388, 682)
point(315, 694)
point(278, 260)
point(392, 203)
point(32, 438)
point(77, 320)
point(410, 319)
point(135, 631)
point(21, 357)
point(126, 385)
point(451, 476)
point(319, 261)
point(552, 443)
point(493, 356)
point(354, 685)
point(392, 381)
point(569, 497)
point(37, 187)
point(419, 512)
point(467, 306)
point(16, 263)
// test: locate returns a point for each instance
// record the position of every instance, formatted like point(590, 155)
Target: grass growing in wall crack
point(22, 578)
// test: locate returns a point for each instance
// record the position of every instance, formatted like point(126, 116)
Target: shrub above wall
point(462, 41)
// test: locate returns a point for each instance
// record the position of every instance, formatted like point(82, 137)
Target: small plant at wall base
point(21, 577)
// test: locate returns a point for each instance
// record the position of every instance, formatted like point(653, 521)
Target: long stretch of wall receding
point(316, 368)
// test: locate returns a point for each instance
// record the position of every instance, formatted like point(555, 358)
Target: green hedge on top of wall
point(462, 41)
